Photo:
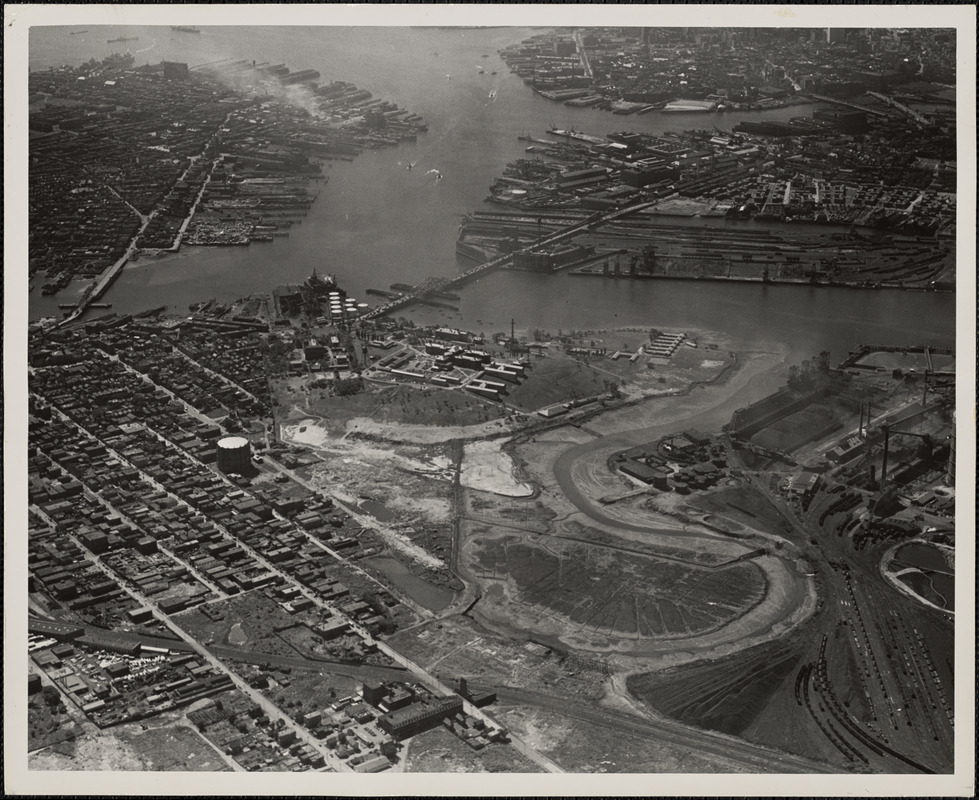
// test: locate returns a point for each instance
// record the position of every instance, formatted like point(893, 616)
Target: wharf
point(590, 272)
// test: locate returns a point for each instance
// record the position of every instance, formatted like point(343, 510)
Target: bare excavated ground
point(460, 647)
point(171, 746)
point(440, 751)
point(580, 746)
point(383, 404)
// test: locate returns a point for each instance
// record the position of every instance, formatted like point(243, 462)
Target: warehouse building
point(414, 719)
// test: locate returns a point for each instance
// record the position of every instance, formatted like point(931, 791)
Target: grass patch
point(557, 380)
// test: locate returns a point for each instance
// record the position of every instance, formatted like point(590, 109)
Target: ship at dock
point(570, 133)
point(689, 107)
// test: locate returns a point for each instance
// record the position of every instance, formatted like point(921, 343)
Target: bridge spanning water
point(500, 262)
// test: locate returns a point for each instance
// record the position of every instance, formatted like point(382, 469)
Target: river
point(376, 223)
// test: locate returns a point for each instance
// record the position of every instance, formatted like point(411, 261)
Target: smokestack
point(873, 474)
point(860, 429)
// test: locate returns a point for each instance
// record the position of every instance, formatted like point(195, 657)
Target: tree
point(51, 695)
point(347, 386)
point(389, 750)
point(823, 362)
point(794, 380)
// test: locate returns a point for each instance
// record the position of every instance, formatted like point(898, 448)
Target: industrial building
point(414, 719)
point(234, 454)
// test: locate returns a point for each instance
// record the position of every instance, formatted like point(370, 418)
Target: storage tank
point(234, 454)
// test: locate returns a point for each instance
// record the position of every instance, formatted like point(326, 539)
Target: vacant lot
point(173, 747)
point(743, 504)
point(557, 379)
point(249, 621)
point(619, 593)
point(795, 430)
point(579, 746)
point(48, 721)
point(407, 403)
point(458, 647)
point(298, 690)
point(440, 751)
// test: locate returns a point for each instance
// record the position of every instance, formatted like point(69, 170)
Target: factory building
point(234, 454)
point(414, 719)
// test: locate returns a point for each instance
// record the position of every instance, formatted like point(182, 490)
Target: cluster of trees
point(811, 373)
point(348, 386)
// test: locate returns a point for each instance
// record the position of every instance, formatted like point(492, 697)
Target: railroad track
point(755, 757)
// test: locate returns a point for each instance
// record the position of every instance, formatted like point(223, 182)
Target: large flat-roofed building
point(416, 718)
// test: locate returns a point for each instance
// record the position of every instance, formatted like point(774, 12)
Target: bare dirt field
point(618, 593)
point(174, 746)
point(487, 468)
point(458, 647)
point(579, 746)
point(440, 751)
point(384, 405)
point(745, 505)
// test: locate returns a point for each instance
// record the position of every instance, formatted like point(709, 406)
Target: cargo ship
point(689, 107)
point(123, 39)
point(581, 137)
point(184, 29)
